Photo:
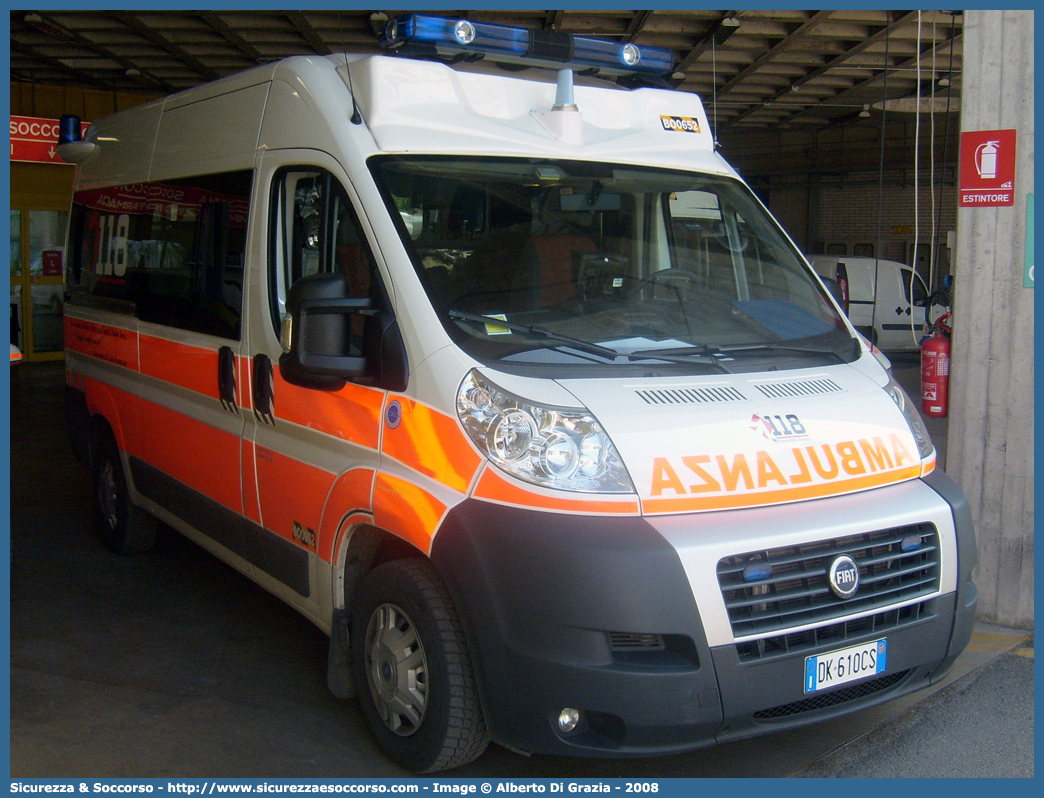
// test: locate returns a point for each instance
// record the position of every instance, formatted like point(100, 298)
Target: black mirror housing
point(319, 333)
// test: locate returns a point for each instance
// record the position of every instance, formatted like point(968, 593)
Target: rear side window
point(175, 249)
point(920, 292)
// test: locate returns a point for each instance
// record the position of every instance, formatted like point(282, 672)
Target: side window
point(920, 292)
point(315, 229)
point(175, 249)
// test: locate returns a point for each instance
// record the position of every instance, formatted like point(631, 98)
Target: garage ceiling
point(806, 70)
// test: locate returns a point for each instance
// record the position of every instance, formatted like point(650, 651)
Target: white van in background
point(880, 304)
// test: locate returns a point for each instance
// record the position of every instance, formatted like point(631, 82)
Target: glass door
point(37, 284)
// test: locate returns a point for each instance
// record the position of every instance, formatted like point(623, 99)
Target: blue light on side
point(612, 57)
point(441, 33)
point(68, 129)
point(757, 572)
point(912, 543)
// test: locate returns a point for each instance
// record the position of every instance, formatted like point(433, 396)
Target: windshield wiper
point(532, 329)
point(734, 349)
point(700, 353)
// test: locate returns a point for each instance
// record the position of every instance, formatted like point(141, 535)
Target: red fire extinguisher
point(935, 369)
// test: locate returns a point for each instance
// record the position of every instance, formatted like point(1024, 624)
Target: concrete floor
point(171, 664)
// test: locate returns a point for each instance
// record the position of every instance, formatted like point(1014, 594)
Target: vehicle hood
point(712, 443)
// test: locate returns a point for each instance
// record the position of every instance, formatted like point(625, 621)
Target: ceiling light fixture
point(37, 23)
point(724, 30)
point(865, 113)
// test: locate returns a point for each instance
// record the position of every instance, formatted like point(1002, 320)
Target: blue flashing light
point(912, 543)
point(420, 34)
point(68, 129)
point(757, 572)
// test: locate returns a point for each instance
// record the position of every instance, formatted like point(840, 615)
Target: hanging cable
point(880, 174)
point(932, 238)
point(946, 132)
point(917, 183)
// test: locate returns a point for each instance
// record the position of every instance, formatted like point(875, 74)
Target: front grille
point(835, 634)
point(860, 690)
point(895, 565)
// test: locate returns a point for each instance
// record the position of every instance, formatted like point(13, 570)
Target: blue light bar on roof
point(419, 34)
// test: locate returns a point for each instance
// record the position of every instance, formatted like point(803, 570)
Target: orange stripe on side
point(352, 413)
point(928, 466)
point(406, 510)
point(351, 493)
point(102, 341)
point(494, 487)
point(121, 409)
point(430, 442)
point(191, 367)
point(692, 504)
point(201, 456)
point(277, 475)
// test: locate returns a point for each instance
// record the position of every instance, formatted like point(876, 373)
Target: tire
point(123, 527)
point(411, 665)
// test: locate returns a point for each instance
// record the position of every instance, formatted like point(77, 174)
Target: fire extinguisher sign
point(987, 168)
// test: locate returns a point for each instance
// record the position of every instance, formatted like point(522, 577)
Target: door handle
point(227, 379)
point(264, 390)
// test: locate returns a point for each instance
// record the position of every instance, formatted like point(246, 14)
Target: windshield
point(550, 263)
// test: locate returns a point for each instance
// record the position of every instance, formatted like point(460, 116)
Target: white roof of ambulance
point(408, 105)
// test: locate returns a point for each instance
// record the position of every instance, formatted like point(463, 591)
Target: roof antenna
point(356, 117)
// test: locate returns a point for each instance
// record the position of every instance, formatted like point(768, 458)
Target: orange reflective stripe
point(105, 342)
point(196, 454)
point(278, 475)
point(350, 494)
point(928, 466)
point(429, 442)
point(692, 504)
point(352, 413)
point(494, 487)
point(191, 367)
point(119, 408)
point(406, 510)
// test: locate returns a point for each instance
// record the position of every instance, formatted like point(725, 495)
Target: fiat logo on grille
point(843, 575)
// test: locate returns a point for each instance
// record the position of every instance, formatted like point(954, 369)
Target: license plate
point(845, 665)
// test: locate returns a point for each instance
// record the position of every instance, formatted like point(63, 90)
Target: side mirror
point(318, 349)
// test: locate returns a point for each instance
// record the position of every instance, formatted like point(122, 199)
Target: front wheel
point(408, 649)
point(123, 527)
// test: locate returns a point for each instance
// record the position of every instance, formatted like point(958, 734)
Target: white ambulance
point(504, 379)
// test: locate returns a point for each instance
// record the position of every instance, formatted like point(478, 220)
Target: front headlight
point(913, 418)
point(556, 447)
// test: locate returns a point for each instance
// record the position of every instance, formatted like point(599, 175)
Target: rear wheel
point(410, 660)
point(123, 527)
